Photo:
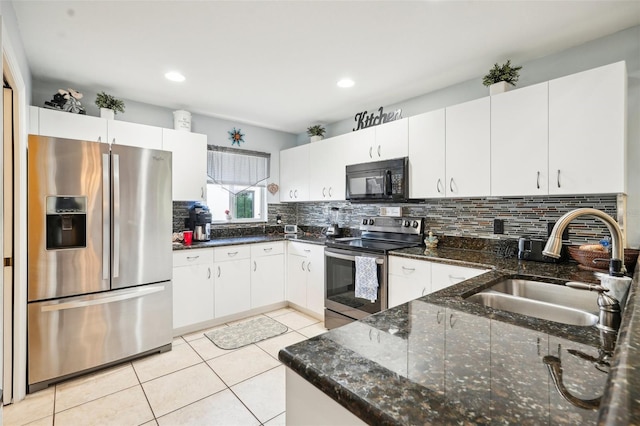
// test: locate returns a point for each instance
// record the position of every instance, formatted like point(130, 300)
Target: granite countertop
point(230, 241)
point(440, 359)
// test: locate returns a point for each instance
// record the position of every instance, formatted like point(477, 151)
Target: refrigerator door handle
point(106, 216)
point(116, 215)
point(103, 300)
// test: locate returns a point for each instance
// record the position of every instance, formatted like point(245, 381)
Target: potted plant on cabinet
point(316, 132)
point(109, 105)
point(499, 77)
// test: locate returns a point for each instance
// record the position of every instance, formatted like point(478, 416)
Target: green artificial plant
point(104, 100)
point(505, 73)
point(316, 130)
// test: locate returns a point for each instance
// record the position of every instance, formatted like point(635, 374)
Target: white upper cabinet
point(327, 169)
point(427, 155)
point(587, 131)
point(382, 142)
point(62, 124)
point(189, 177)
point(392, 140)
point(294, 173)
point(133, 134)
point(468, 148)
point(519, 142)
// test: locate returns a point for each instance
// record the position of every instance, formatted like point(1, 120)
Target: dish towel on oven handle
point(366, 278)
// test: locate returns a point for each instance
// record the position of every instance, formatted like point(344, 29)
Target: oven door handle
point(379, 260)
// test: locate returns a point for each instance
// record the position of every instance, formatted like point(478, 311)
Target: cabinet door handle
point(451, 185)
point(452, 277)
point(295, 193)
point(208, 273)
point(290, 193)
point(323, 192)
point(330, 192)
point(438, 319)
point(558, 178)
point(267, 249)
point(219, 272)
point(309, 266)
point(438, 185)
point(113, 141)
point(303, 265)
point(231, 253)
point(202, 192)
point(424, 291)
point(99, 138)
point(307, 250)
point(370, 151)
point(255, 266)
point(190, 258)
point(538, 181)
point(452, 321)
point(379, 155)
point(404, 268)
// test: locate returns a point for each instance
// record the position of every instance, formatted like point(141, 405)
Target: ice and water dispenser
point(66, 222)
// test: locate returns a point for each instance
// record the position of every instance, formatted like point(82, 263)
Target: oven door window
point(341, 285)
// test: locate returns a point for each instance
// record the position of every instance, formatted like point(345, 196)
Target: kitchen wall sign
point(364, 119)
point(236, 136)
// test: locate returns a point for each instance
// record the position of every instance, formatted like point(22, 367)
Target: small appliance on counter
point(531, 249)
point(333, 230)
point(199, 222)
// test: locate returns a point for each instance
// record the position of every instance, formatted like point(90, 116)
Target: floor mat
point(245, 333)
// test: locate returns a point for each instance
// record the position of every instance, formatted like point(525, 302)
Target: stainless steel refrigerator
point(99, 256)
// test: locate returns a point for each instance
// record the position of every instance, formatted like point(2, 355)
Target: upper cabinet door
point(132, 134)
point(468, 149)
point(327, 169)
point(189, 164)
point(359, 145)
point(427, 155)
point(519, 142)
point(62, 124)
point(294, 173)
point(392, 140)
point(587, 126)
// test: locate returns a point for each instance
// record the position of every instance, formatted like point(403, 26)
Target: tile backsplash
point(468, 217)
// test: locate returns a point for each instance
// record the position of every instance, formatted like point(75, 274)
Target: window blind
point(237, 169)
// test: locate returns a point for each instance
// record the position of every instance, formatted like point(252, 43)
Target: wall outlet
point(565, 234)
point(498, 226)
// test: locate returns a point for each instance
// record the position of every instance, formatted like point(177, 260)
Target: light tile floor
point(196, 383)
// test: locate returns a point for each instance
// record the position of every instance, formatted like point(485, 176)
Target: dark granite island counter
point(443, 360)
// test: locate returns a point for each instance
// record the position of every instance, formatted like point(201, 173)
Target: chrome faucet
point(554, 244)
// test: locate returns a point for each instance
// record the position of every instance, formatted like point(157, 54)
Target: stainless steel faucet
point(554, 244)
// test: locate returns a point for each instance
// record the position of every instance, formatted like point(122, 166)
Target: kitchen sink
point(542, 300)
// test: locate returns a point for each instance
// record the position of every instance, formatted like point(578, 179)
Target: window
point(236, 188)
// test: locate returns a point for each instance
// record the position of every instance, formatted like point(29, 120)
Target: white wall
point(256, 138)
point(624, 45)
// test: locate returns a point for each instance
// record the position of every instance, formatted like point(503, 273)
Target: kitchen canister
point(182, 120)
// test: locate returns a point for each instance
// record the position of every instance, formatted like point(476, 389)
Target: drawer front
point(192, 257)
point(241, 251)
point(302, 249)
point(409, 267)
point(267, 249)
point(444, 275)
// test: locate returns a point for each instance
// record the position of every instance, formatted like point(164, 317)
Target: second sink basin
point(547, 301)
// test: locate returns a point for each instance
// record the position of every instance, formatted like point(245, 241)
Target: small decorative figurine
point(431, 242)
point(66, 100)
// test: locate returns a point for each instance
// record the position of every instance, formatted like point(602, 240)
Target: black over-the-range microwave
point(379, 181)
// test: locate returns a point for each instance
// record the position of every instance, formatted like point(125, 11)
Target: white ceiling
point(276, 63)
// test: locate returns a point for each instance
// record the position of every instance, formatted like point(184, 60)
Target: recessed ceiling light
point(345, 82)
point(174, 76)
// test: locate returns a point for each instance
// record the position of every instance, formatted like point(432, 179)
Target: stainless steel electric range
point(379, 236)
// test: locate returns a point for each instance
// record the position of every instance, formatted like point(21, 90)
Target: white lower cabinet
point(267, 274)
point(413, 278)
point(444, 275)
point(408, 279)
point(193, 289)
point(232, 276)
point(305, 276)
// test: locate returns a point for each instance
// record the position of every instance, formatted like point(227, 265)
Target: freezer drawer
point(75, 334)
